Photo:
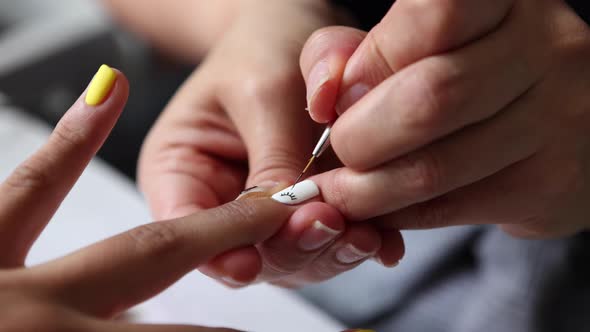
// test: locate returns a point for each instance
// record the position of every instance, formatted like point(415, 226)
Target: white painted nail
point(351, 254)
point(302, 192)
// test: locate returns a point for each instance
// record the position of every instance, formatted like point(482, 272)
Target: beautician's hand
point(239, 121)
point(477, 114)
point(81, 291)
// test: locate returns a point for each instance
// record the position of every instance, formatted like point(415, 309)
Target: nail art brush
point(321, 146)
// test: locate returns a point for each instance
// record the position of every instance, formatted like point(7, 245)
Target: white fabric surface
point(103, 203)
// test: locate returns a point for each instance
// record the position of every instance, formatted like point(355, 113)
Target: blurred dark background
point(49, 51)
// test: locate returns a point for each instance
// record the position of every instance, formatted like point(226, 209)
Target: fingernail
point(302, 192)
point(101, 85)
point(319, 75)
point(351, 254)
point(350, 97)
point(380, 261)
point(232, 282)
point(263, 189)
point(317, 236)
point(251, 190)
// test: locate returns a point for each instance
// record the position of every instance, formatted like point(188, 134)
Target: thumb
point(277, 132)
point(413, 30)
point(322, 62)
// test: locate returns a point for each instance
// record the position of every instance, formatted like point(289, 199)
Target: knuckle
point(378, 43)
point(281, 161)
point(273, 87)
point(433, 214)
point(422, 173)
point(441, 18)
point(30, 175)
point(68, 137)
point(340, 192)
point(432, 97)
point(157, 238)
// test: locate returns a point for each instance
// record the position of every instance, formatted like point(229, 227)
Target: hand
point(239, 121)
point(80, 291)
point(459, 112)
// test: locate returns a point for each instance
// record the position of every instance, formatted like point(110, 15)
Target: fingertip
point(323, 61)
point(392, 248)
point(329, 216)
point(237, 267)
point(365, 238)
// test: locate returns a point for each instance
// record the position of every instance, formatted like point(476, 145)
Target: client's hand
point(81, 291)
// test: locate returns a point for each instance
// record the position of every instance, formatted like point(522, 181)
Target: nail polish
point(317, 236)
point(302, 192)
point(251, 190)
point(350, 254)
point(100, 86)
point(350, 97)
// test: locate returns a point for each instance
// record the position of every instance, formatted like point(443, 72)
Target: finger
point(517, 198)
point(31, 195)
point(456, 161)
point(413, 30)
point(392, 247)
point(276, 131)
point(136, 265)
point(359, 243)
point(113, 326)
point(322, 62)
point(310, 230)
point(438, 95)
point(191, 158)
point(235, 268)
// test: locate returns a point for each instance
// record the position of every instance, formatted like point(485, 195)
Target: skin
point(475, 113)
point(239, 121)
point(82, 291)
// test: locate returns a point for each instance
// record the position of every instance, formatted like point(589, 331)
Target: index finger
point(136, 265)
point(34, 191)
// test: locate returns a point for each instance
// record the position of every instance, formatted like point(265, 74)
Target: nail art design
point(255, 189)
point(302, 192)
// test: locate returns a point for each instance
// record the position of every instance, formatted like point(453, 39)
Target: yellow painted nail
point(101, 85)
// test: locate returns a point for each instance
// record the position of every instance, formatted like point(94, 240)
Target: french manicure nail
point(100, 86)
point(232, 282)
point(380, 261)
point(350, 97)
point(319, 75)
point(302, 192)
point(351, 254)
point(317, 236)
